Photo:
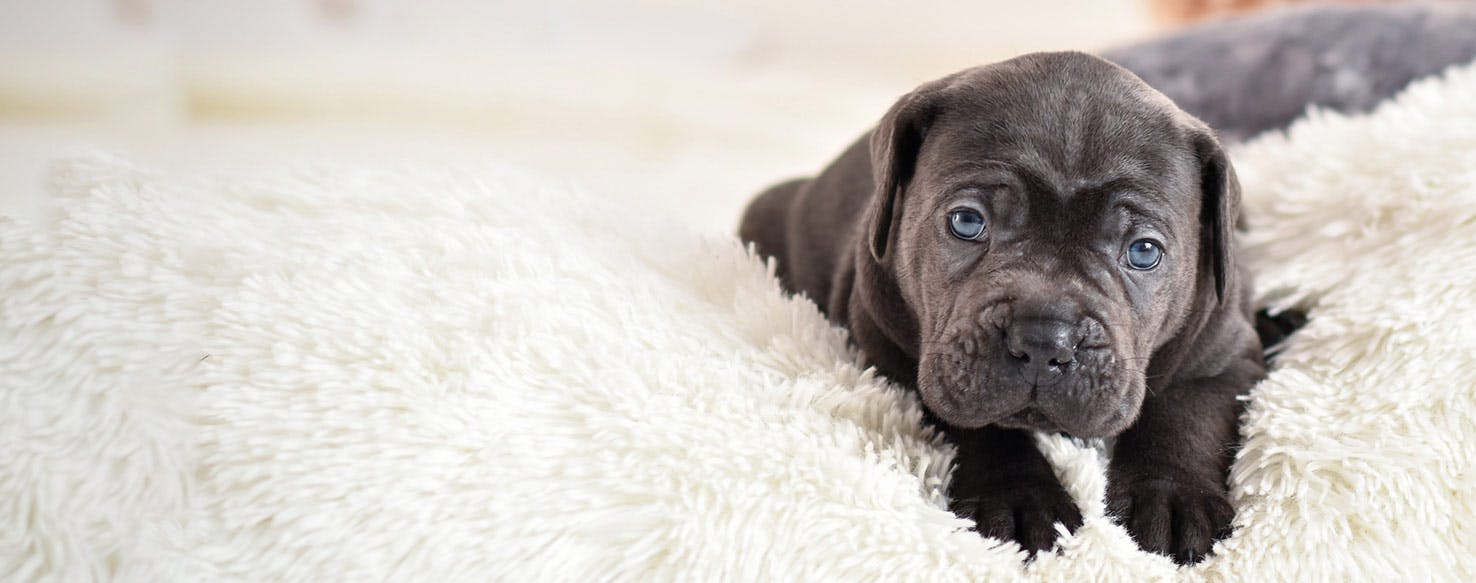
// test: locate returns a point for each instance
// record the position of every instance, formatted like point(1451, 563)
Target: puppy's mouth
point(1030, 418)
point(968, 380)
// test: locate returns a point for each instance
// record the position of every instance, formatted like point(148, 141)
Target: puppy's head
point(1053, 223)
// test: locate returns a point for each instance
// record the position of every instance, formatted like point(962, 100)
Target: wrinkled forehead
point(1064, 144)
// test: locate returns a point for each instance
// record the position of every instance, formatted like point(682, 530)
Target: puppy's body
point(1038, 324)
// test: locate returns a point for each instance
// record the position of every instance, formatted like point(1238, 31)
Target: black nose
point(1045, 349)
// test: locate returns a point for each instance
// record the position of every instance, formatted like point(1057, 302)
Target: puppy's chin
point(1032, 419)
point(971, 390)
point(1035, 419)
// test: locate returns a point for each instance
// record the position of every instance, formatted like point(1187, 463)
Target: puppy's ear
point(1220, 209)
point(894, 148)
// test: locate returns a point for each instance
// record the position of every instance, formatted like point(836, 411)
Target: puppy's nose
point(1044, 349)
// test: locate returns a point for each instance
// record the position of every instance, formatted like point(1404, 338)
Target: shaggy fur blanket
point(362, 374)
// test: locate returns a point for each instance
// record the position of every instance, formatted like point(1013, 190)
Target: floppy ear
point(894, 148)
point(1219, 210)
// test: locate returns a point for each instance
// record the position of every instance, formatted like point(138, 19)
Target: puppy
point(1042, 244)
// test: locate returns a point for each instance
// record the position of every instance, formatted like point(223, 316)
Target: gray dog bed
point(1247, 75)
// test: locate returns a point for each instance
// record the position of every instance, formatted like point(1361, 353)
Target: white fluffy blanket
point(366, 374)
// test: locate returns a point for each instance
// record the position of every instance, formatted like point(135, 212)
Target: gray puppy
point(1046, 244)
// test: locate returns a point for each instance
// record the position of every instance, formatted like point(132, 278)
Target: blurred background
point(684, 107)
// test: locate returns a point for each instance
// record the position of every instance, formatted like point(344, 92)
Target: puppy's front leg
point(1004, 483)
point(1167, 481)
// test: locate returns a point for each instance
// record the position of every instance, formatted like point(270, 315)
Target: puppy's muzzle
point(1043, 350)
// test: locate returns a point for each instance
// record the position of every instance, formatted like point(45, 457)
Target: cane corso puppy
point(1041, 244)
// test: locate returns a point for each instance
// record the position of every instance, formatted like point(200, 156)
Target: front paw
point(1024, 511)
point(1172, 518)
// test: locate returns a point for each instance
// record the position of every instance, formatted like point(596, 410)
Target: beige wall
point(684, 106)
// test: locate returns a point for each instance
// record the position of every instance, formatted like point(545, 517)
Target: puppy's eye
point(966, 224)
point(1144, 254)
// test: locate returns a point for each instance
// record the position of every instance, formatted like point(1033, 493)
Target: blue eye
point(1144, 254)
point(966, 224)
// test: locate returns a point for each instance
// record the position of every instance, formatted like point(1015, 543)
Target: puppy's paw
point(1025, 512)
point(1170, 517)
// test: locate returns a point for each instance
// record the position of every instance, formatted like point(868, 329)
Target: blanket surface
point(363, 373)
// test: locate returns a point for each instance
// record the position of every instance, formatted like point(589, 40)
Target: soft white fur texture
point(369, 374)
